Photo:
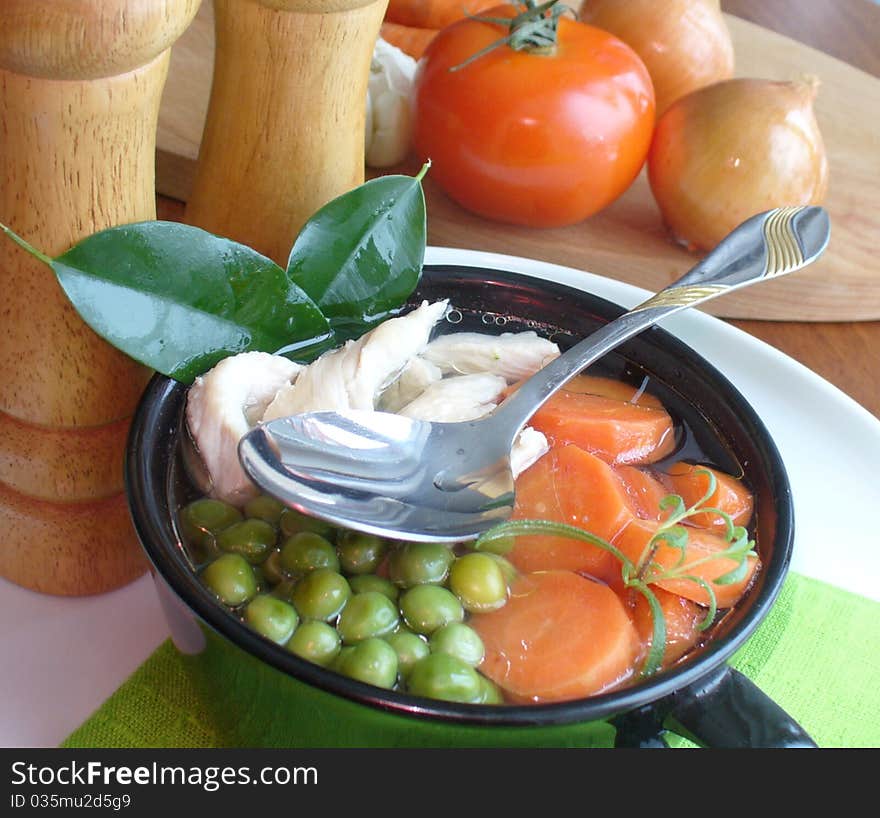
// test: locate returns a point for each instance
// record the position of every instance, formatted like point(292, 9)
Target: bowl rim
point(158, 414)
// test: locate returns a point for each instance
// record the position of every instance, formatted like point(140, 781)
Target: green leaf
point(360, 256)
point(180, 299)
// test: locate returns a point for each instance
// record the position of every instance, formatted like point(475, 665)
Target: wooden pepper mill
point(285, 126)
point(80, 83)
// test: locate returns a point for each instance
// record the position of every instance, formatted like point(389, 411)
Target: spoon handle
point(769, 244)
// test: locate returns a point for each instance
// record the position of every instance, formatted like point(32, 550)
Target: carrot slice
point(730, 495)
point(701, 544)
point(571, 486)
point(616, 431)
point(410, 40)
point(560, 636)
point(644, 492)
point(612, 388)
point(682, 616)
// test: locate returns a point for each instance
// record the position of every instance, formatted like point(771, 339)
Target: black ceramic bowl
point(306, 705)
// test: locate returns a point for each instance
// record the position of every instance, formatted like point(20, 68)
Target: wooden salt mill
point(80, 83)
point(285, 125)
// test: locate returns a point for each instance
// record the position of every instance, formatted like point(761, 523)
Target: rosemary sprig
point(646, 571)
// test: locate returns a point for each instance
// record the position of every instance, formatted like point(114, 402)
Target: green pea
point(293, 522)
point(490, 693)
point(477, 580)
point(419, 563)
point(307, 551)
point(264, 507)
point(231, 577)
point(253, 539)
point(428, 607)
point(373, 582)
point(441, 676)
point(508, 569)
point(410, 647)
point(260, 577)
point(360, 553)
point(320, 594)
point(271, 617)
point(273, 570)
point(201, 519)
point(373, 661)
point(341, 658)
point(460, 641)
point(315, 642)
point(365, 616)
point(284, 590)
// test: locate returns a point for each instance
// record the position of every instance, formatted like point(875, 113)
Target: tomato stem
point(532, 30)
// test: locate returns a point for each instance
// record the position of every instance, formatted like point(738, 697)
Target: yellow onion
point(733, 149)
point(685, 44)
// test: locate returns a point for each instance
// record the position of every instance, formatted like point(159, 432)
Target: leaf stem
point(421, 174)
point(37, 254)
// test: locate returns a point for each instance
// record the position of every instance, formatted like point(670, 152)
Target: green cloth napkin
point(817, 655)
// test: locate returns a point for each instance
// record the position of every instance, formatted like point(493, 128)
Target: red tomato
point(536, 139)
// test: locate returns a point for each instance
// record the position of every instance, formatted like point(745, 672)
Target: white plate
point(61, 658)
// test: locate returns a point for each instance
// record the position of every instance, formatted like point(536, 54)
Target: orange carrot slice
point(730, 495)
point(701, 544)
point(571, 486)
point(616, 431)
point(612, 388)
point(682, 617)
point(560, 636)
point(644, 492)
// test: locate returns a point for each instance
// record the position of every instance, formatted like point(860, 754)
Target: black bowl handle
point(725, 709)
point(722, 709)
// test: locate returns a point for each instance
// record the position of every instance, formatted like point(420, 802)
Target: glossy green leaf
point(180, 299)
point(372, 246)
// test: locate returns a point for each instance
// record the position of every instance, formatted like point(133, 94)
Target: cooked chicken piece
point(529, 446)
point(224, 404)
point(460, 397)
point(352, 376)
point(511, 355)
point(416, 377)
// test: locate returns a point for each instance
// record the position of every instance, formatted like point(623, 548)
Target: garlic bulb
point(685, 44)
point(734, 149)
point(389, 111)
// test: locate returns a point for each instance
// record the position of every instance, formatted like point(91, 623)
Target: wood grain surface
point(80, 87)
point(846, 353)
point(239, 191)
point(628, 240)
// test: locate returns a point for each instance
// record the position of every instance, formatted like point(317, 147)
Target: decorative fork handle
point(770, 244)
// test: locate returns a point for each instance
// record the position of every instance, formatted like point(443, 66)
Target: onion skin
point(685, 44)
point(734, 149)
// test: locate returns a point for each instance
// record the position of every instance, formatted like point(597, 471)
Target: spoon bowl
point(419, 480)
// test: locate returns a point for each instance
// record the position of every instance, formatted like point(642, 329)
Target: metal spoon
point(407, 479)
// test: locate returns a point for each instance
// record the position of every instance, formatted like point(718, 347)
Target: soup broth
point(434, 621)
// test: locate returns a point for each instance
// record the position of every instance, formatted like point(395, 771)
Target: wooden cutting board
point(627, 241)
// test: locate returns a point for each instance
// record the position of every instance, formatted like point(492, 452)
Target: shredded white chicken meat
point(352, 376)
point(513, 356)
point(393, 367)
point(223, 405)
